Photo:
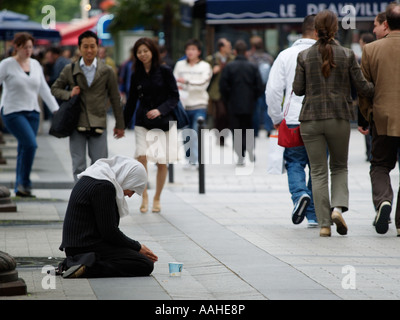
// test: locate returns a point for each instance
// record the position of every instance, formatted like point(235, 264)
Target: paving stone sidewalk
point(236, 241)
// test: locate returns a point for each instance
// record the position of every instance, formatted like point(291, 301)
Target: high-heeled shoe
point(145, 205)
point(156, 206)
point(325, 232)
point(337, 219)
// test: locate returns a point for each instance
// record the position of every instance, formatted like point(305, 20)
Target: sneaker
point(190, 167)
point(74, 272)
point(241, 162)
point(312, 224)
point(374, 222)
point(299, 210)
point(382, 217)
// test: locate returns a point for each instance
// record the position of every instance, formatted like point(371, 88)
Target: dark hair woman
point(326, 25)
point(324, 74)
point(154, 87)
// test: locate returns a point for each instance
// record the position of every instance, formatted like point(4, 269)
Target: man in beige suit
point(97, 85)
point(380, 64)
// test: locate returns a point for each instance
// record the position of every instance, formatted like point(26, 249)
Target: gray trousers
point(79, 143)
point(320, 136)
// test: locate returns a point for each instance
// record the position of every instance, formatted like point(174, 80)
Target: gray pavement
point(236, 241)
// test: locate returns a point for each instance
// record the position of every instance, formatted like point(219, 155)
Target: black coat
point(240, 86)
point(156, 90)
point(92, 217)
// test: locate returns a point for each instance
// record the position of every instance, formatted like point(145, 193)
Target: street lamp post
point(85, 8)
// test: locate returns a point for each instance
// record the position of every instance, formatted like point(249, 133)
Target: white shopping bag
point(275, 161)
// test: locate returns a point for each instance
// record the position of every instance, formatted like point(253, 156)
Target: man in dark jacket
point(240, 87)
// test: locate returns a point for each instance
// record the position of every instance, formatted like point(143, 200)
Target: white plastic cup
point(175, 269)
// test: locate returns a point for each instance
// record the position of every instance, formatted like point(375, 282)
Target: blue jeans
point(296, 161)
point(261, 116)
point(23, 126)
point(192, 151)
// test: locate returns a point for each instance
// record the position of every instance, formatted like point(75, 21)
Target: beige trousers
point(328, 139)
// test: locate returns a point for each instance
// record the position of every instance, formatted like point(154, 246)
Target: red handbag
point(289, 137)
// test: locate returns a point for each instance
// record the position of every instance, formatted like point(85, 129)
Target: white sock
point(338, 209)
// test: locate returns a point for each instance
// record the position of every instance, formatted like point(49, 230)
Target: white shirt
point(193, 93)
point(89, 71)
point(20, 90)
point(280, 82)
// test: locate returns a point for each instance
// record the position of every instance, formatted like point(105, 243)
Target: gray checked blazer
point(329, 98)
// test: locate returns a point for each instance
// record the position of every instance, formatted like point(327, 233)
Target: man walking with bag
point(97, 85)
point(296, 160)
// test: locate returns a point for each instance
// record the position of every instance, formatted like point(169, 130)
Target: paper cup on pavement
point(175, 269)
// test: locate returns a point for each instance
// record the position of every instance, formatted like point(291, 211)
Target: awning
point(71, 32)
point(6, 15)
point(12, 23)
point(283, 11)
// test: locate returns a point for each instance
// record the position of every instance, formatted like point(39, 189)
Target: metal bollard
point(171, 173)
point(200, 122)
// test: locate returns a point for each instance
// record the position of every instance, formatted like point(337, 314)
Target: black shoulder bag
point(66, 118)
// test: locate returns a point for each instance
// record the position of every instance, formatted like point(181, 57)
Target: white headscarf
point(124, 173)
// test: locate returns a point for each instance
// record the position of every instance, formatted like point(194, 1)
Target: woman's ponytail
point(326, 25)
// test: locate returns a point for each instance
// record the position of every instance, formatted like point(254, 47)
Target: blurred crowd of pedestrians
point(237, 87)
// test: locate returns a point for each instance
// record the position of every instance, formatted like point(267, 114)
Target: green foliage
point(65, 9)
point(148, 13)
point(20, 6)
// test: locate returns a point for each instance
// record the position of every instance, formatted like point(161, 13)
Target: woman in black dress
point(153, 85)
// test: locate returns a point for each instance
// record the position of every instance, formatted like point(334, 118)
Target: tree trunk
point(167, 26)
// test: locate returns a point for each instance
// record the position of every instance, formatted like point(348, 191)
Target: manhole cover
point(37, 262)
point(13, 223)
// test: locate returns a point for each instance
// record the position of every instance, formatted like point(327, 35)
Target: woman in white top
point(193, 76)
point(23, 80)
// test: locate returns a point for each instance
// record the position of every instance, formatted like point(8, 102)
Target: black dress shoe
point(76, 271)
